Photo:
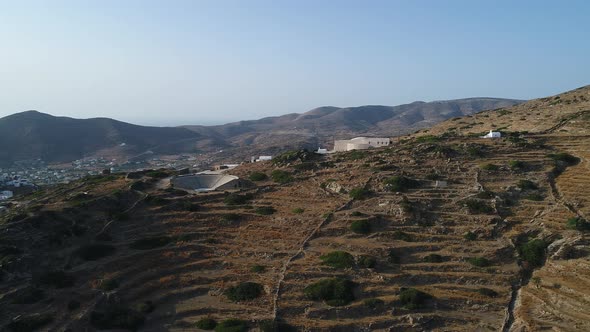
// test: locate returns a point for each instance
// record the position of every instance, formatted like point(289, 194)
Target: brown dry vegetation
point(194, 247)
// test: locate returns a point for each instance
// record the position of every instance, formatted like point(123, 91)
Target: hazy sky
point(202, 62)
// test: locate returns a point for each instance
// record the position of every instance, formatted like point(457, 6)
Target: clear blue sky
point(201, 62)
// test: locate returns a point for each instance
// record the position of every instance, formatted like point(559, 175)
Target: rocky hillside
point(438, 232)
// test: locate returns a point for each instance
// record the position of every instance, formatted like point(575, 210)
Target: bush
point(298, 210)
point(231, 217)
point(292, 156)
point(257, 269)
point(206, 324)
point(157, 174)
point(366, 261)
point(190, 206)
point(29, 322)
point(361, 226)
point(57, 279)
point(478, 207)
point(392, 257)
point(232, 325)
point(400, 183)
point(265, 210)
point(427, 139)
point(526, 185)
point(470, 236)
point(151, 242)
point(489, 167)
point(146, 307)
point(258, 176)
point(533, 252)
point(485, 194)
point(412, 298)
point(117, 317)
point(479, 261)
point(579, 224)
point(73, 305)
point(245, 291)
point(534, 197)
point(359, 193)
point(433, 258)
point(403, 236)
point(565, 158)
point(275, 326)
point(109, 284)
point(237, 199)
point(487, 292)
point(357, 214)
point(338, 259)
point(516, 164)
point(281, 177)
point(95, 251)
point(334, 291)
point(307, 166)
point(373, 303)
point(476, 151)
point(355, 155)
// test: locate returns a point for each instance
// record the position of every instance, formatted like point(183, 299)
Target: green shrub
point(489, 167)
point(487, 292)
point(373, 303)
point(355, 155)
point(393, 257)
point(433, 258)
point(281, 177)
point(361, 226)
point(526, 185)
point(334, 291)
point(265, 210)
point(206, 324)
point(258, 176)
point(257, 269)
point(231, 217)
point(427, 139)
point(476, 151)
point(357, 214)
point(579, 224)
point(338, 259)
point(516, 164)
point(403, 236)
point(245, 291)
point(146, 307)
point(275, 326)
point(57, 279)
point(298, 210)
point(533, 252)
point(292, 156)
point(400, 183)
point(95, 251)
point(109, 284)
point(237, 199)
point(117, 317)
point(29, 322)
point(157, 174)
point(306, 166)
point(478, 207)
point(150, 242)
point(190, 206)
point(485, 194)
point(359, 193)
point(470, 236)
point(232, 325)
point(534, 197)
point(412, 298)
point(479, 261)
point(366, 261)
point(565, 158)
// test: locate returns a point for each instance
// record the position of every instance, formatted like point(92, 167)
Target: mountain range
point(33, 135)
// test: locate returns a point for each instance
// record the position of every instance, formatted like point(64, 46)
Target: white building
point(322, 151)
point(361, 143)
point(492, 134)
point(261, 158)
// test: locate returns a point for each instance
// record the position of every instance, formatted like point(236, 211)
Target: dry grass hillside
point(437, 232)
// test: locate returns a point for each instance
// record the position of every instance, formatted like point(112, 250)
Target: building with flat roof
point(361, 143)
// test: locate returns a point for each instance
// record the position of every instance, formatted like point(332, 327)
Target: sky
point(174, 62)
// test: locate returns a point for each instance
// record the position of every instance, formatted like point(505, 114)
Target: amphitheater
point(210, 182)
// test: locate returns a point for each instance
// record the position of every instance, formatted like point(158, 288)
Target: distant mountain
point(323, 124)
point(31, 135)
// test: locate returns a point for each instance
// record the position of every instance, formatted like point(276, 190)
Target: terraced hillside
point(438, 232)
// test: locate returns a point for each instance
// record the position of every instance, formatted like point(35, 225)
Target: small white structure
point(361, 143)
point(492, 134)
point(261, 158)
point(322, 151)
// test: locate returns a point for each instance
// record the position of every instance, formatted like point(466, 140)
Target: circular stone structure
point(210, 182)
